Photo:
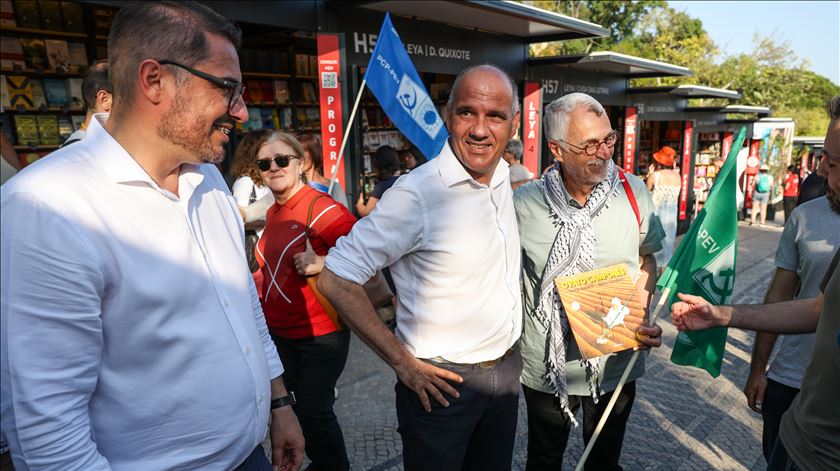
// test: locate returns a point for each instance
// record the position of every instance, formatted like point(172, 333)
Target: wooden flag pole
point(346, 134)
point(665, 295)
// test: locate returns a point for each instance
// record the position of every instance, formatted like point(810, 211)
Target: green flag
point(704, 265)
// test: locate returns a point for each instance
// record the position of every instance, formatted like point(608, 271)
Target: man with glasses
point(132, 336)
point(583, 214)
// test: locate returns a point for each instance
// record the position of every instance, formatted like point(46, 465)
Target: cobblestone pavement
point(682, 418)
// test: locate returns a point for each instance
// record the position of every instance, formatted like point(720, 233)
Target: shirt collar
point(453, 173)
point(121, 167)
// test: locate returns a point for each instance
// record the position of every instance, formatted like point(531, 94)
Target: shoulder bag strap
point(309, 215)
point(630, 196)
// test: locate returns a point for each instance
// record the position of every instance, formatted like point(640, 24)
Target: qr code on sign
point(329, 80)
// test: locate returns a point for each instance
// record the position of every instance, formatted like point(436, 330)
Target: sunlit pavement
point(682, 418)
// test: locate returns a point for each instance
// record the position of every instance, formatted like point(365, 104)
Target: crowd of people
point(154, 319)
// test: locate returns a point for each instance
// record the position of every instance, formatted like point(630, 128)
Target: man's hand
point(425, 379)
point(650, 336)
point(286, 440)
point(754, 389)
point(308, 263)
point(695, 313)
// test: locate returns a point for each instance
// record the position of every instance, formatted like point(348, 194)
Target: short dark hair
point(387, 162)
point(160, 30)
point(312, 143)
point(834, 107)
point(96, 78)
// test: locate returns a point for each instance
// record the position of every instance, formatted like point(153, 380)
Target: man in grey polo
point(576, 218)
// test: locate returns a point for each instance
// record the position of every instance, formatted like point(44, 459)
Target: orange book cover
point(603, 309)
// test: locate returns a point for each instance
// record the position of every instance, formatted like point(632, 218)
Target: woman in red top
point(312, 347)
point(791, 190)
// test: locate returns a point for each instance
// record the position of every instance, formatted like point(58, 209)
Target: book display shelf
point(44, 48)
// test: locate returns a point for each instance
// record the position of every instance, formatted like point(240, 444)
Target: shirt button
point(247, 349)
point(262, 397)
point(225, 304)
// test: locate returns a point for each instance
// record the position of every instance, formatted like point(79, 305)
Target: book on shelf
point(313, 65)
point(254, 92)
point(77, 120)
point(65, 128)
point(102, 19)
point(26, 130)
point(48, 130)
point(254, 119)
point(313, 117)
point(56, 90)
point(58, 54)
point(26, 14)
point(77, 53)
point(275, 118)
point(267, 92)
point(11, 53)
point(73, 17)
point(285, 116)
point(267, 118)
point(19, 88)
point(281, 92)
point(27, 158)
point(74, 91)
point(35, 53)
point(262, 62)
point(301, 116)
point(308, 92)
point(278, 62)
point(246, 59)
point(301, 64)
point(7, 13)
point(51, 15)
point(39, 97)
point(4, 95)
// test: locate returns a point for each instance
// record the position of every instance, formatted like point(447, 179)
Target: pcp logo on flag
point(419, 106)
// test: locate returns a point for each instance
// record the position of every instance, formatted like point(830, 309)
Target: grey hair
point(514, 147)
point(457, 84)
point(557, 113)
point(834, 107)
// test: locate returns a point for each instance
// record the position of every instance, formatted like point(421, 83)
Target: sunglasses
point(281, 160)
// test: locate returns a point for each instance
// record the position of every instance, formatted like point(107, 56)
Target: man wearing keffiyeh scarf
point(576, 218)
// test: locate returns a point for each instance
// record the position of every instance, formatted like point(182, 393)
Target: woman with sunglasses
point(312, 346)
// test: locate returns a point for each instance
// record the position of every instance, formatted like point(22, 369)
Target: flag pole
point(664, 297)
point(346, 134)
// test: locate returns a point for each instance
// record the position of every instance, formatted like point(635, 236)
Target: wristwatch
point(283, 401)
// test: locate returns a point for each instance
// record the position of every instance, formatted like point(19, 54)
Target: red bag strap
point(630, 196)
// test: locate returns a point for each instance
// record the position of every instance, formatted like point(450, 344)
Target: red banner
point(727, 145)
point(329, 77)
point(629, 139)
point(531, 137)
point(685, 169)
point(753, 162)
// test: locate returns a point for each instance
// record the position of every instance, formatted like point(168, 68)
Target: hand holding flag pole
point(692, 262)
point(397, 86)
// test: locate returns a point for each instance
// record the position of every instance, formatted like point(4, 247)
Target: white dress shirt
point(132, 336)
point(453, 248)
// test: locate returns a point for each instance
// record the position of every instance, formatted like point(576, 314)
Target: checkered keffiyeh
point(572, 252)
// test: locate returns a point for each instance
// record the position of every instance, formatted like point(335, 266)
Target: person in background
point(519, 174)
point(791, 190)
point(663, 181)
point(97, 97)
point(301, 226)
point(413, 158)
point(761, 195)
point(313, 165)
point(9, 162)
point(813, 186)
point(131, 335)
point(388, 166)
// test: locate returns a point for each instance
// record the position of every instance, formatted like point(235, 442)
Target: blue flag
point(395, 83)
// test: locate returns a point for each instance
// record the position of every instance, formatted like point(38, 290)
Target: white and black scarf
point(572, 252)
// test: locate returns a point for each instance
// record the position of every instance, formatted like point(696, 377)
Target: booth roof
point(690, 91)
point(529, 23)
point(614, 63)
point(731, 109)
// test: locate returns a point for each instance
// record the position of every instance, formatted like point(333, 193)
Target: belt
point(481, 364)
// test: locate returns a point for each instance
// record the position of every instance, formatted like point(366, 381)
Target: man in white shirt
point(131, 333)
point(97, 97)
point(448, 232)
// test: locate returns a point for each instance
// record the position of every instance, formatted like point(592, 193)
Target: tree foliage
point(772, 74)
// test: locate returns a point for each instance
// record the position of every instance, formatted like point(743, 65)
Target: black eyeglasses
point(235, 88)
point(281, 160)
point(592, 149)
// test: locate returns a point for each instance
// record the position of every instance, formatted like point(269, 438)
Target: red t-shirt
point(791, 185)
point(291, 310)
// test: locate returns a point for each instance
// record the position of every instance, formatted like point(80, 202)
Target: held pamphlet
point(603, 309)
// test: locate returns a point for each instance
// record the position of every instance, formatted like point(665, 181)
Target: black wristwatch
point(283, 401)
